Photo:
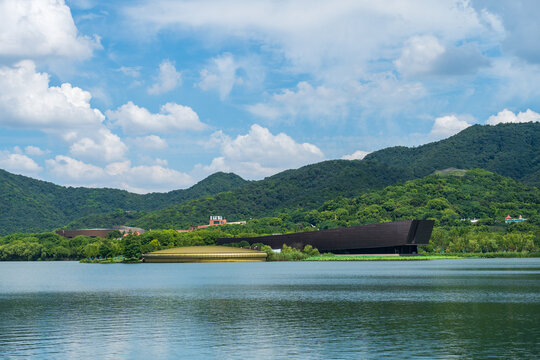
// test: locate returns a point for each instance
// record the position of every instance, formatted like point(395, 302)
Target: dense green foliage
point(298, 190)
point(33, 205)
point(508, 149)
point(511, 149)
point(451, 200)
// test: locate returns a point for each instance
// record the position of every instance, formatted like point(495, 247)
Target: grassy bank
point(489, 255)
point(380, 258)
point(427, 256)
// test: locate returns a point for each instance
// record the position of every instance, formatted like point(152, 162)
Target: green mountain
point(30, 205)
point(304, 188)
point(449, 197)
point(508, 149)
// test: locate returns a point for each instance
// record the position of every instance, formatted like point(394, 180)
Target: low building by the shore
point(99, 232)
point(190, 254)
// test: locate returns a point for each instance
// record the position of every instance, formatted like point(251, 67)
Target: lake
point(439, 309)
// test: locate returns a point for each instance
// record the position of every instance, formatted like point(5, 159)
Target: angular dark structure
point(400, 237)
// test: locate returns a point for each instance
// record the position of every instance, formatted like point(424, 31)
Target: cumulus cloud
point(506, 116)
point(448, 125)
point(18, 163)
point(41, 28)
point(315, 35)
point(67, 168)
point(35, 151)
point(418, 55)
point(168, 79)
point(306, 100)
point(259, 153)
point(425, 55)
point(382, 93)
point(357, 155)
point(143, 179)
point(221, 75)
point(103, 146)
point(335, 46)
point(151, 142)
point(138, 120)
point(121, 174)
point(27, 101)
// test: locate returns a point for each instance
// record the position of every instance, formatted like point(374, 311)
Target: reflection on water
point(443, 309)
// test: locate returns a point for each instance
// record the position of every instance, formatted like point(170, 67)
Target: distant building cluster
point(127, 230)
point(214, 221)
point(507, 220)
point(510, 220)
point(100, 232)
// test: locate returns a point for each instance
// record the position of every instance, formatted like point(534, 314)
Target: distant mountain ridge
point(28, 204)
point(31, 205)
point(303, 188)
point(511, 150)
point(497, 147)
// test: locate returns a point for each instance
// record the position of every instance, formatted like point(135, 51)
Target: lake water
point(439, 309)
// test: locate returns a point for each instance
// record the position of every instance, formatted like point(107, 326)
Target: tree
point(132, 248)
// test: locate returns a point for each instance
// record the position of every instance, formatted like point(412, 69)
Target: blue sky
point(156, 95)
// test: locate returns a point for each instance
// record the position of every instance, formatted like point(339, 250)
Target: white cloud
point(103, 146)
point(152, 142)
point(448, 125)
point(41, 28)
point(340, 37)
point(172, 117)
point(35, 151)
point(357, 155)
point(167, 80)
point(382, 93)
point(259, 153)
point(140, 179)
point(305, 101)
point(118, 168)
point(418, 55)
point(425, 55)
point(131, 71)
point(18, 163)
point(27, 101)
point(69, 169)
point(220, 75)
point(143, 179)
point(506, 116)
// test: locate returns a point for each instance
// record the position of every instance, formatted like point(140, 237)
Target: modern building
point(400, 237)
point(204, 254)
point(217, 220)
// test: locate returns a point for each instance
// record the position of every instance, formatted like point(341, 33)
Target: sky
point(157, 95)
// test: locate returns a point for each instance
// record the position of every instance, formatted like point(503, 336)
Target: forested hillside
point(304, 188)
point(508, 149)
point(28, 204)
point(31, 205)
point(449, 199)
